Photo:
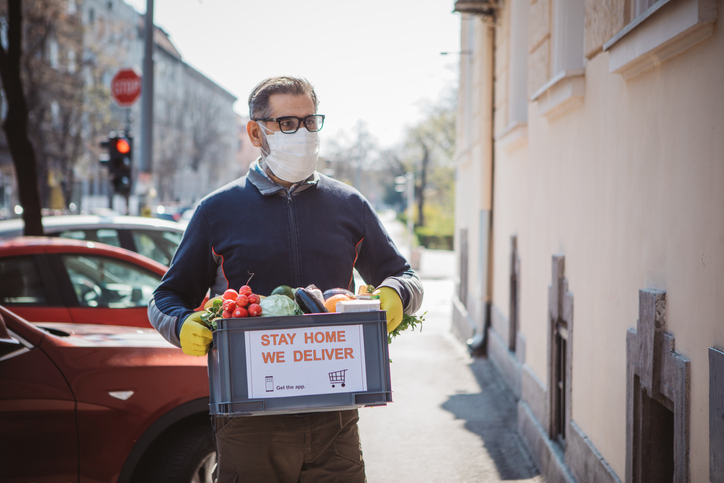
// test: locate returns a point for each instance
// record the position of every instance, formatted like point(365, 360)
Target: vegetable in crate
point(284, 290)
point(231, 304)
point(408, 321)
point(279, 305)
point(308, 302)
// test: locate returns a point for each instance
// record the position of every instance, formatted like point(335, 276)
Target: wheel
point(188, 456)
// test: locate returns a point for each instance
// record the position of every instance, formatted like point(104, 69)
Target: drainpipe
point(486, 9)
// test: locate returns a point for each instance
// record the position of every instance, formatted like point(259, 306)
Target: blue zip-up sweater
point(254, 230)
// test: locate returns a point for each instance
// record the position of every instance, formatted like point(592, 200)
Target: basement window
point(560, 343)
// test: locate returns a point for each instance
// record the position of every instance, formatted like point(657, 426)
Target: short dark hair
point(259, 97)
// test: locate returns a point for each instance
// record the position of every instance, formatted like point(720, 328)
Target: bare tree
point(205, 133)
point(62, 68)
point(429, 144)
point(16, 122)
point(170, 150)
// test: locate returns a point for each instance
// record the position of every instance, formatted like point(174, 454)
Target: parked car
point(152, 237)
point(83, 282)
point(92, 403)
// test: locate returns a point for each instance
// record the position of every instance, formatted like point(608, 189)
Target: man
point(285, 224)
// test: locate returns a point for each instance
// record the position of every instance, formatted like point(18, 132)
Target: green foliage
point(408, 322)
point(213, 314)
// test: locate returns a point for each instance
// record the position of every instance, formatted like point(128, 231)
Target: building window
point(564, 89)
point(53, 53)
point(55, 113)
point(515, 131)
point(657, 397)
point(560, 355)
point(636, 8)
point(656, 31)
point(514, 293)
point(4, 32)
point(567, 35)
point(560, 363)
point(71, 61)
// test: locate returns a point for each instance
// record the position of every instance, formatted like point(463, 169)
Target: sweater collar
point(266, 186)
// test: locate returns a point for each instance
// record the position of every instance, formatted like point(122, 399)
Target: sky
point(378, 61)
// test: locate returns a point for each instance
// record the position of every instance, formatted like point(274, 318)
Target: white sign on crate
point(305, 361)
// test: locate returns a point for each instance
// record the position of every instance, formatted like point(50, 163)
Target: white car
point(154, 238)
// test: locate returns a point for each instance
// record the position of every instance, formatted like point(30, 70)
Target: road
point(452, 419)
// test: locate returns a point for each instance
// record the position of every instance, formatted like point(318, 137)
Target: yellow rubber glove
point(195, 337)
point(391, 302)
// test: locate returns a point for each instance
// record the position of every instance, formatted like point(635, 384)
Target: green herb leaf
point(408, 322)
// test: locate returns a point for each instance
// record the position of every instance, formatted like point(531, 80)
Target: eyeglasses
point(290, 124)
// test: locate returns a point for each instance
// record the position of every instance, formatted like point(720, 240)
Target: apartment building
point(195, 127)
point(590, 229)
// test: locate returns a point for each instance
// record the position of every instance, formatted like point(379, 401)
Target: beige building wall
point(627, 181)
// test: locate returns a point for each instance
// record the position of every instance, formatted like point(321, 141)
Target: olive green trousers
point(297, 448)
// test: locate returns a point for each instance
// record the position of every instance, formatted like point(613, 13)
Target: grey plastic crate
point(229, 385)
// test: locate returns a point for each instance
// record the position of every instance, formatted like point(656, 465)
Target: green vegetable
point(279, 305)
point(284, 290)
point(408, 322)
point(213, 314)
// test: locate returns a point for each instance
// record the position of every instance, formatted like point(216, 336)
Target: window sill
point(513, 137)
point(561, 94)
point(663, 31)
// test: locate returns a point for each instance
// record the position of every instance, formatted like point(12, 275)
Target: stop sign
point(126, 87)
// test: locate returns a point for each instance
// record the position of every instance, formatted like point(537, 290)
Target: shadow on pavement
point(492, 415)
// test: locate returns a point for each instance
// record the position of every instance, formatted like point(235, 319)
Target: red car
point(85, 402)
point(63, 280)
point(99, 403)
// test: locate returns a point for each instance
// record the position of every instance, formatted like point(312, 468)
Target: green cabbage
point(278, 305)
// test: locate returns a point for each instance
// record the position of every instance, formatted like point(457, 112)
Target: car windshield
point(104, 235)
point(158, 245)
point(106, 282)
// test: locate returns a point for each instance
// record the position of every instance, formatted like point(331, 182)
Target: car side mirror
point(7, 343)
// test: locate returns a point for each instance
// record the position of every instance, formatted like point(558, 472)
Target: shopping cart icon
point(337, 377)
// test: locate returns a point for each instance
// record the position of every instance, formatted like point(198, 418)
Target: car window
point(107, 282)
point(20, 281)
point(104, 235)
point(158, 245)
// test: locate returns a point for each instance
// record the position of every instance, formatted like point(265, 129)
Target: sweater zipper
point(294, 239)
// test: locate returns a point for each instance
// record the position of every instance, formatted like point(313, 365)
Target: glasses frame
point(302, 122)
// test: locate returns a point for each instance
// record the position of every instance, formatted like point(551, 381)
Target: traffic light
point(119, 159)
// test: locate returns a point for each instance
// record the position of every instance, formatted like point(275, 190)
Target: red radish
point(254, 298)
point(226, 314)
point(245, 289)
point(254, 310)
point(240, 312)
point(229, 305)
point(242, 300)
point(230, 294)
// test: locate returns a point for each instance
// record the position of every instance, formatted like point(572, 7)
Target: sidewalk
point(453, 419)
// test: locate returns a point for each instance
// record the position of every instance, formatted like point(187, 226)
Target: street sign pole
point(147, 93)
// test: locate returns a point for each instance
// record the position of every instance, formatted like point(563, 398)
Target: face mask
point(292, 157)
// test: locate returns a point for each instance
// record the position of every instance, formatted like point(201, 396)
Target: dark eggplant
point(308, 302)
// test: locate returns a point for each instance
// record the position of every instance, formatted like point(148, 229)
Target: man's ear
point(254, 132)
